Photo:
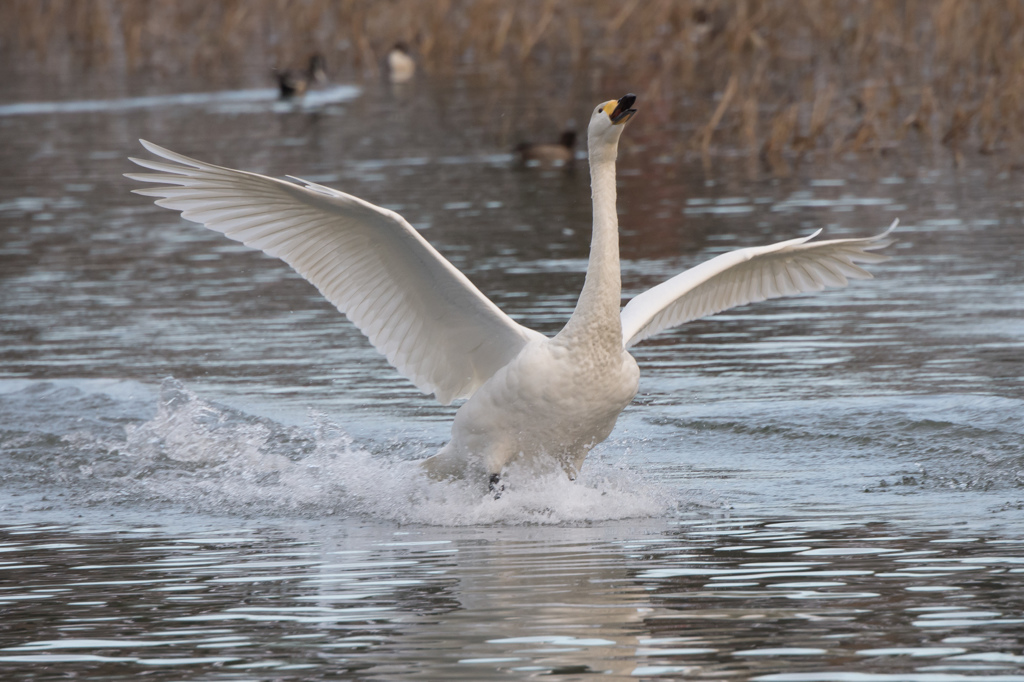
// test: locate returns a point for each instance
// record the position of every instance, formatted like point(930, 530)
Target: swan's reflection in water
point(793, 599)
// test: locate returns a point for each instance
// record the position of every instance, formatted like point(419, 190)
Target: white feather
point(749, 275)
point(413, 305)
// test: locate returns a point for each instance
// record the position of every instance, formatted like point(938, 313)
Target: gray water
point(207, 473)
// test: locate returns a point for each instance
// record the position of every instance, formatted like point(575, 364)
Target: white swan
point(543, 400)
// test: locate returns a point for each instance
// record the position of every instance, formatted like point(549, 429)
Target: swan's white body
point(544, 401)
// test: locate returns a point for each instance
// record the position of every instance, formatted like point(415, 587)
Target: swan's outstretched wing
point(415, 307)
point(749, 275)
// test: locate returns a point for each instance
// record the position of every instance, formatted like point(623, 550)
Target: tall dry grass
point(778, 78)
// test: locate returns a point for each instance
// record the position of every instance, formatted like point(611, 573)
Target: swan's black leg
point(495, 486)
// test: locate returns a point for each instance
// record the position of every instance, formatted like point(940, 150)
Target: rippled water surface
point(716, 598)
point(207, 473)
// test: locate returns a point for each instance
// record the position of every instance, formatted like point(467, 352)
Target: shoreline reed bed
point(773, 79)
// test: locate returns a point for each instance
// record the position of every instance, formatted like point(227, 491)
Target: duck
point(401, 67)
point(559, 153)
point(530, 400)
point(294, 83)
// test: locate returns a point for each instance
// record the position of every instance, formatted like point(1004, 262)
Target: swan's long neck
point(596, 317)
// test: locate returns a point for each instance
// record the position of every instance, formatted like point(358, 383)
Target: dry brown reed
point(778, 78)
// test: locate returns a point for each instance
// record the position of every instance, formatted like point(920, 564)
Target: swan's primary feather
point(415, 307)
point(749, 275)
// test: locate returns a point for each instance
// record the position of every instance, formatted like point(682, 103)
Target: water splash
point(208, 457)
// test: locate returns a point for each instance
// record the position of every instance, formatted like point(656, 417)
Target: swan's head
point(607, 122)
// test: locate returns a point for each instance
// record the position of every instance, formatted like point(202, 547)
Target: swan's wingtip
point(885, 239)
point(892, 226)
point(155, 148)
point(181, 159)
point(158, 150)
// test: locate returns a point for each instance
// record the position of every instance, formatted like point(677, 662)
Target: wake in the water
point(206, 457)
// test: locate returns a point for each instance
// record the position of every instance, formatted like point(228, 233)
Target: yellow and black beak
point(622, 111)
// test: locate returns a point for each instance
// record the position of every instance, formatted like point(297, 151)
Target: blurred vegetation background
point(775, 79)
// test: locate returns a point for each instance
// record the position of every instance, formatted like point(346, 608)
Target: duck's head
point(607, 122)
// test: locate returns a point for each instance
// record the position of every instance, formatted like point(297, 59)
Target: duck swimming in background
point(549, 154)
point(543, 402)
point(294, 83)
point(401, 65)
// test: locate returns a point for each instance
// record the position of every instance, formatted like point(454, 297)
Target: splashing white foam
point(210, 457)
